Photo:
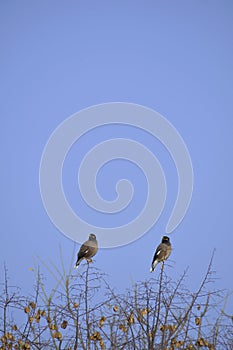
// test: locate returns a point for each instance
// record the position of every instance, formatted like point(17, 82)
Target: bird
point(87, 250)
point(162, 252)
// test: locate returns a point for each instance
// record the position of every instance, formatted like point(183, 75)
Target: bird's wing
point(161, 252)
point(87, 249)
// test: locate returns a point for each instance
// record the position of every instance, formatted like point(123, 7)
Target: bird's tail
point(153, 265)
point(77, 263)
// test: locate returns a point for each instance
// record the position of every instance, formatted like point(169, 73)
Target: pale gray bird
point(87, 250)
point(162, 252)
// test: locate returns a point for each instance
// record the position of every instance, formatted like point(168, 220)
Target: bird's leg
point(89, 260)
point(162, 265)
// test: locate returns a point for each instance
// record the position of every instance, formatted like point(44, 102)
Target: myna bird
point(87, 250)
point(162, 252)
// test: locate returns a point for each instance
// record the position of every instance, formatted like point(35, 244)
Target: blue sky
point(174, 57)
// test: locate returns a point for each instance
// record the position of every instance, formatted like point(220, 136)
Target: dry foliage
point(84, 312)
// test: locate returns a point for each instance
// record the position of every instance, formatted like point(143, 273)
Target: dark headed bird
point(87, 250)
point(162, 252)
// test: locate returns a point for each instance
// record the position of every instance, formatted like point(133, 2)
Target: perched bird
point(162, 252)
point(87, 250)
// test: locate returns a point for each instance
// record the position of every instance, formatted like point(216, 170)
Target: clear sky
point(58, 57)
